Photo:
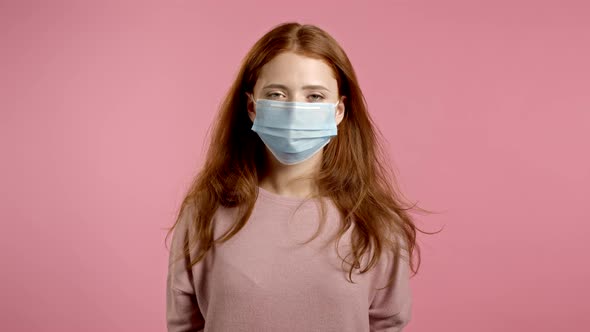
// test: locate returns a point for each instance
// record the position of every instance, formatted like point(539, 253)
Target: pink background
point(105, 105)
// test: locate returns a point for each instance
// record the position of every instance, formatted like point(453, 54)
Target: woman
point(293, 224)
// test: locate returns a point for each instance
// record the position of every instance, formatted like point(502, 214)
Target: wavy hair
point(355, 173)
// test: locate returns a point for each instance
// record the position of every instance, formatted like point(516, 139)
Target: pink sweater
point(262, 280)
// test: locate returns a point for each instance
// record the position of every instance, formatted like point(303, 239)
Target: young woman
point(294, 223)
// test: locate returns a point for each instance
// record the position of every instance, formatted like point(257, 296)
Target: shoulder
point(393, 262)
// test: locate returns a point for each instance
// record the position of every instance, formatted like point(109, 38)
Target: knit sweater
point(264, 279)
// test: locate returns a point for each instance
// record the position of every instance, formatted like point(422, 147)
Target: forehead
point(296, 70)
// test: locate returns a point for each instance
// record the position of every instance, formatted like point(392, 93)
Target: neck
point(291, 180)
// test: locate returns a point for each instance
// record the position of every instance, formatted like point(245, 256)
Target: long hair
point(354, 173)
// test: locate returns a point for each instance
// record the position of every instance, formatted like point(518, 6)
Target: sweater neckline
point(289, 200)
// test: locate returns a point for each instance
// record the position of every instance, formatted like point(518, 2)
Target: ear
point(251, 109)
point(340, 109)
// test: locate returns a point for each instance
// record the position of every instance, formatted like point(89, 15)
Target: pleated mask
point(294, 131)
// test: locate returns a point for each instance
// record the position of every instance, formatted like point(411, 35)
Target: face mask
point(294, 131)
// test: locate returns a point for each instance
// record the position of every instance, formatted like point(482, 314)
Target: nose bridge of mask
point(295, 115)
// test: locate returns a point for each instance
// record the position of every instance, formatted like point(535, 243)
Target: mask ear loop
point(251, 97)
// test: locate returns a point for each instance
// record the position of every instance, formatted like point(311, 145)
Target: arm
point(182, 310)
point(391, 308)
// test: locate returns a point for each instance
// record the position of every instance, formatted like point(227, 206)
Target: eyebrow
point(305, 87)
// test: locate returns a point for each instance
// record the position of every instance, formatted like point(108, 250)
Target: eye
point(316, 97)
point(275, 95)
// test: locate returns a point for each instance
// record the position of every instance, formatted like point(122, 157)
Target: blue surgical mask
point(294, 131)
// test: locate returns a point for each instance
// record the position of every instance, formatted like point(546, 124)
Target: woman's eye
point(275, 95)
point(316, 97)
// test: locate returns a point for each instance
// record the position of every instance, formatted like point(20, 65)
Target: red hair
point(355, 173)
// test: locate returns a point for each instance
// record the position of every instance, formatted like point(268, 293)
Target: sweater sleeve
point(391, 308)
point(182, 310)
